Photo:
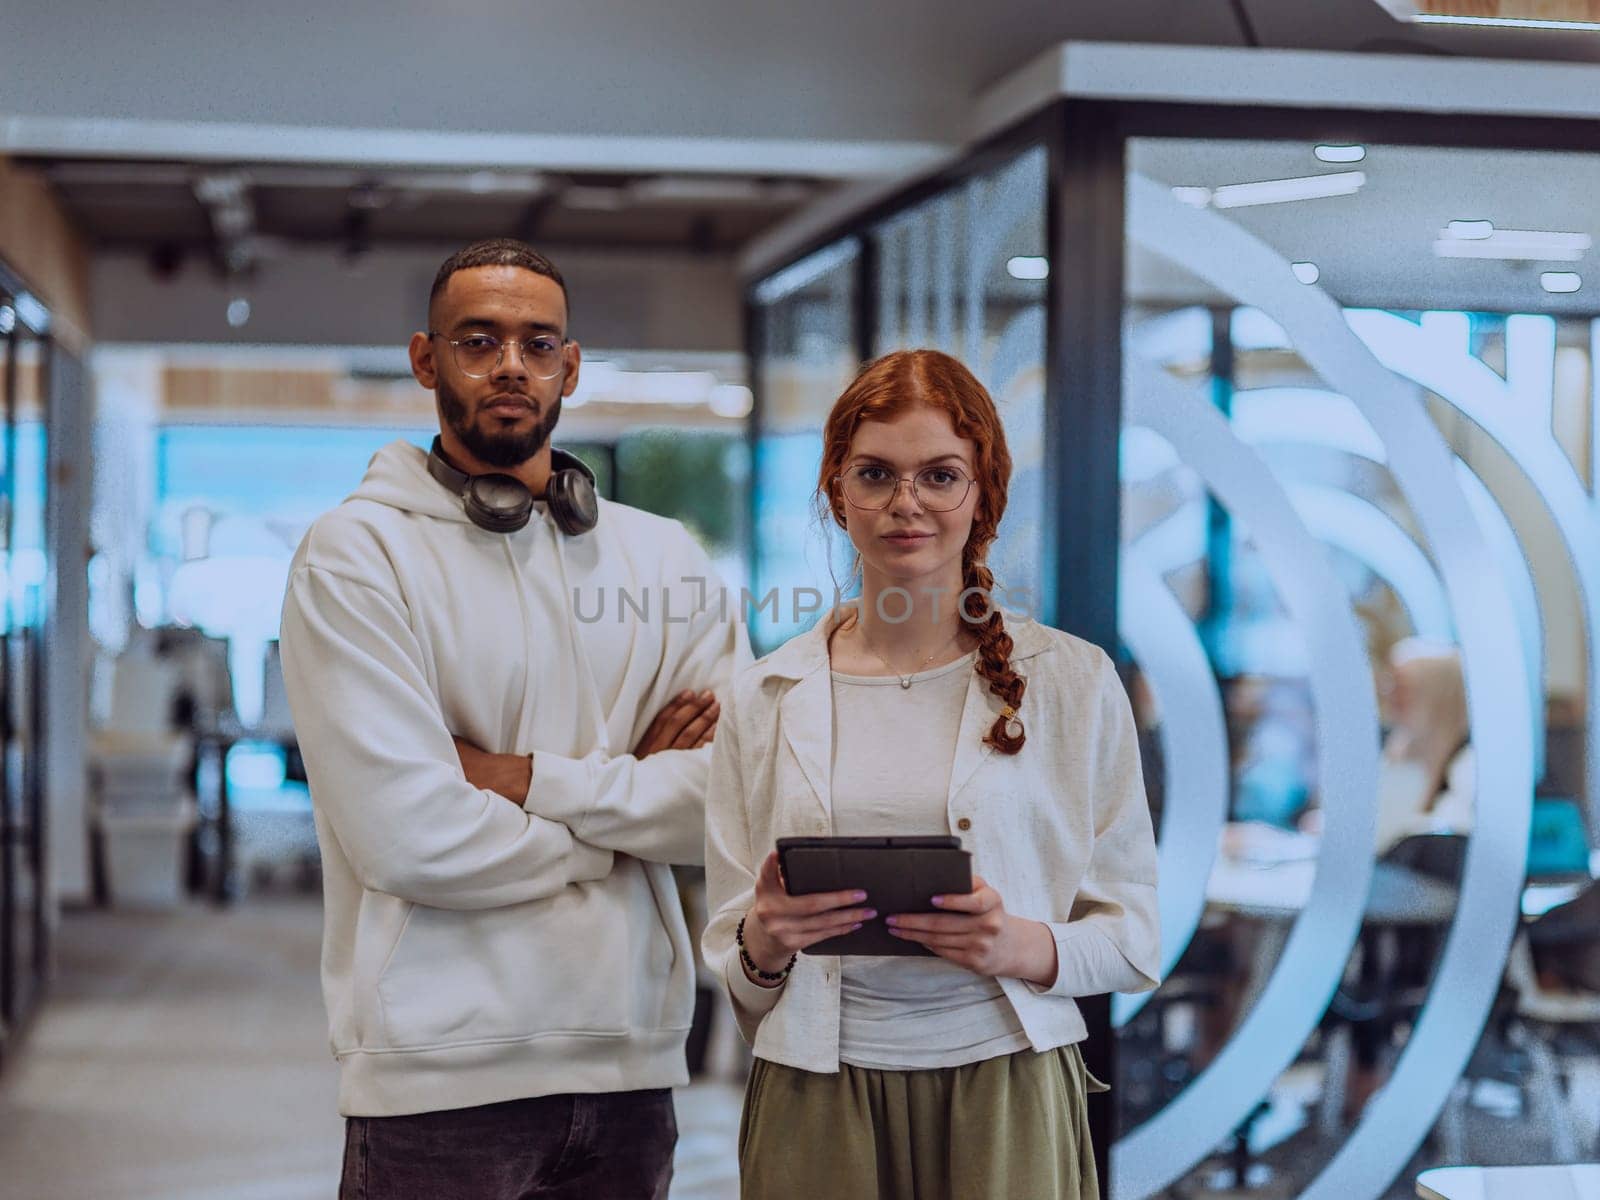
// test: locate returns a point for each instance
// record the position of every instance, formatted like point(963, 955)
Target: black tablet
point(899, 875)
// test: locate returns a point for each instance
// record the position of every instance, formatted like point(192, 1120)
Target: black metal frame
point(20, 991)
point(1219, 524)
point(34, 773)
point(1087, 142)
point(9, 1006)
point(1083, 425)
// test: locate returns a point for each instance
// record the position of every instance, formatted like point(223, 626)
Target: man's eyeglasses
point(938, 489)
point(480, 354)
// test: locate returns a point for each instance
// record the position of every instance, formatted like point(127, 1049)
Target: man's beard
point(508, 449)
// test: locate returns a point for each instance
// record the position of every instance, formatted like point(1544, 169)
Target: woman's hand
point(779, 925)
point(976, 932)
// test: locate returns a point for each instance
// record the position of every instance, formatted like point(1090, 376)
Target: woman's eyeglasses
point(938, 489)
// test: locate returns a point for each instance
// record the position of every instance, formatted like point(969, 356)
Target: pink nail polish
point(938, 901)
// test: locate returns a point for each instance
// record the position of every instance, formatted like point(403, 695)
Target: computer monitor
point(1558, 839)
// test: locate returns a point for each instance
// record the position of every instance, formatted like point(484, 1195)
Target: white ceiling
point(828, 80)
point(830, 89)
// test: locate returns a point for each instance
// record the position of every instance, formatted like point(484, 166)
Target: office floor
point(184, 1057)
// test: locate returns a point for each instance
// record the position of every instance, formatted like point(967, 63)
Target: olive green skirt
point(1012, 1128)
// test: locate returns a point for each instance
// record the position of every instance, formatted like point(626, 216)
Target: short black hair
point(497, 252)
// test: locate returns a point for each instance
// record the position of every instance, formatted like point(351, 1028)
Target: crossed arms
point(395, 791)
point(686, 722)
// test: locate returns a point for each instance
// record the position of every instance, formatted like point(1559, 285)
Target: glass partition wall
point(806, 323)
point(962, 271)
point(1305, 428)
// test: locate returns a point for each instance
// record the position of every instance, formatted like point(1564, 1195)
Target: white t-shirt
point(892, 752)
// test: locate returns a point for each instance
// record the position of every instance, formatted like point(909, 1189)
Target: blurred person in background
point(1425, 773)
point(1425, 778)
point(501, 778)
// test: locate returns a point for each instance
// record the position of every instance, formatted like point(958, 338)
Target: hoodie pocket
point(584, 962)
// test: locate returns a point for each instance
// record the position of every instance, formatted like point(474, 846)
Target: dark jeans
point(610, 1146)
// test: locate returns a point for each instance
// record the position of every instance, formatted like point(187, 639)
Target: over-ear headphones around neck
point(503, 504)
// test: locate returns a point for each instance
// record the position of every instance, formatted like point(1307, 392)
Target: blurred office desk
point(1510, 1183)
point(1264, 876)
point(1262, 872)
point(1268, 874)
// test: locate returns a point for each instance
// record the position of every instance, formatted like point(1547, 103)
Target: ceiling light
point(1560, 281)
point(34, 314)
point(1341, 154)
point(369, 197)
point(8, 318)
point(806, 272)
point(220, 189)
point(666, 189)
point(605, 383)
point(595, 197)
point(1569, 15)
point(731, 400)
point(1306, 272)
point(1512, 251)
point(1028, 266)
point(1194, 197)
point(1522, 245)
point(477, 183)
point(719, 189)
point(1470, 231)
point(1507, 22)
point(1282, 191)
point(669, 387)
point(1539, 237)
point(238, 311)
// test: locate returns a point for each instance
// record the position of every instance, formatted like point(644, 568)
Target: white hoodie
point(474, 951)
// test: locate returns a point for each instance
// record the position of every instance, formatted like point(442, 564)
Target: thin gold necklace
point(907, 680)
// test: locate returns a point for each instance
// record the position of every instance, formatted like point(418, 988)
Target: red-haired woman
point(925, 711)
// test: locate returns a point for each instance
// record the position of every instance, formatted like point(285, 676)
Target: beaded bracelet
point(750, 963)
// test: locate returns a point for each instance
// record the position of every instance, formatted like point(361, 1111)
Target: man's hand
point(509, 775)
point(687, 722)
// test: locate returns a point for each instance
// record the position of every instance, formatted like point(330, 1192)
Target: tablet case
point(899, 875)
